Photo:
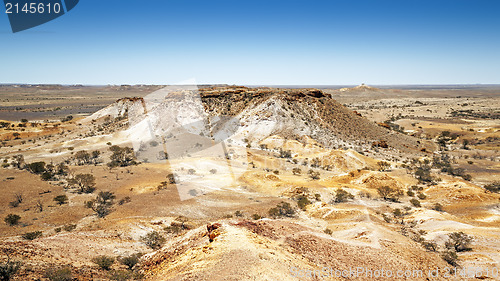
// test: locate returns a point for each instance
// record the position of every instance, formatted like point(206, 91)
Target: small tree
point(130, 261)
point(383, 165)
point(283, 209)
point(459, 241)
point(153, 239)
point(12, 219)
point(302, 202)
point(438, 207)
point(82, 157)
point(9, 269)
point(37, 167)
point(32, 235)
point(313, 174)
point(423, 174)
point(18, 161)
point(171, 178)
point(389, 194)
point(493, 187)
point(415, 202)
point(342, 196)
point(85, 182)
point(104, 262)
point(61, 199)
point(121, 156)
point(102, 204)
point(450, 257)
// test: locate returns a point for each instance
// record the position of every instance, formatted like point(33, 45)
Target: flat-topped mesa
point(291, 113)
point(214, 92)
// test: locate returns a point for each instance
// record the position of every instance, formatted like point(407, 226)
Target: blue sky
point(259, 42)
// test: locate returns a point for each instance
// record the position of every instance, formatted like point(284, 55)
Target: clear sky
point(259, 42)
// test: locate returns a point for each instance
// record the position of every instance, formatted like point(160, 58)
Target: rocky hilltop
point(290, 113)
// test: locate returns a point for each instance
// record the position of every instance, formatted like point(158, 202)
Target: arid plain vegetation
point(393, 179)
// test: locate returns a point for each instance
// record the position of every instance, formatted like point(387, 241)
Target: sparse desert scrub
point(389, 194)
point(84, 182)
point(415, 202)
point(383, 165)
point(459, 241)
point(302, 202)
point(153, 239)
point(450, 257)
point(102, 204)
point(12, 219)
point(283, 209)
point(130, 261)
point(32, 235)
point(104, 262)
point(342, 196)
point(313, 174)
point(493, 187)
point(59, 273)
point(61, 199)
point(121, 156)
point(9, 269)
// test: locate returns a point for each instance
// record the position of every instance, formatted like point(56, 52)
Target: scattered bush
point(328, 231)
point(104, 262)
point(423, 174)
point(61, 199)
point(9, 269)
point(59, 274)
point(171, 178)
point(36, 167)
point(342, 196)
point(153, 239)
point(421, 196)
point(415, 203)
point(302, 202)
point(438, 207)
point(397, 213)
point(130, 261)
point(256, 217)
point(296, 171)
point(32, 235)
point(493, 187)
point(70, 227)
point(175, 229)
point(82, 157)
point(102, 204)
point(313, 174)
point(125, 200)
point(430, 246)
point(12, 219)
point(389, 194)
point(285, 153)
point(238, 213)
point(459, 241)
point(121, 156)
point(383, 165)
point(283, 209)
point(85, 183)
point(450, 257)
